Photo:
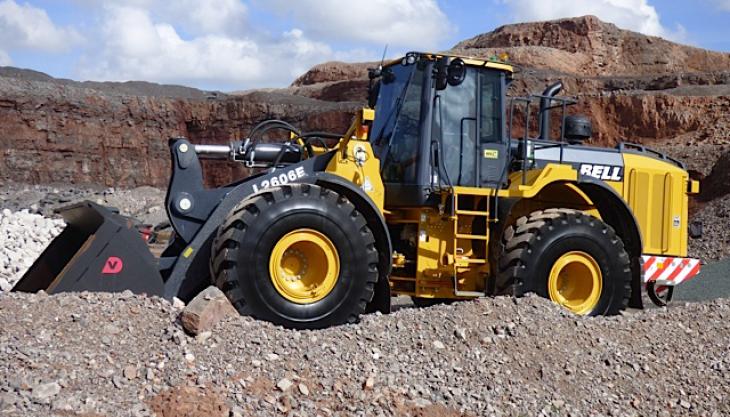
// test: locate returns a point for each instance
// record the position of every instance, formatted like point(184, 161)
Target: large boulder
point(206, 310)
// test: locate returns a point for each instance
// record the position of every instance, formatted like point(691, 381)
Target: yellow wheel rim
point(575, 282)
point(304, 266)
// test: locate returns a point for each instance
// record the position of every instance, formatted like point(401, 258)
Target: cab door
point(468, 118)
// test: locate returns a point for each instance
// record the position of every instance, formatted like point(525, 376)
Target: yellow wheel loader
point(429, 194)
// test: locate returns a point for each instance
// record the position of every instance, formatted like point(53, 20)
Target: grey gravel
point(524, 357)
point(102, 354)
point(43, 392)
point(715, 241)
point(23, 236)
point(143, 203)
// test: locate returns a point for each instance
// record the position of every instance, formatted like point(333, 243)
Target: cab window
point(400, 164)
point(490, 86)
point(454, 120)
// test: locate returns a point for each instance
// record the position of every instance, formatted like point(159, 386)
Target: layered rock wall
point(55, 133)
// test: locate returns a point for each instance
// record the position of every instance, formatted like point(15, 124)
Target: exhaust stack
point(545, 103)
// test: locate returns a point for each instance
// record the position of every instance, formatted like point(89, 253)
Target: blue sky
point(242, 44)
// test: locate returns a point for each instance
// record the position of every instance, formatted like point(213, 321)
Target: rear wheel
point(298, 255)
point(572, 258)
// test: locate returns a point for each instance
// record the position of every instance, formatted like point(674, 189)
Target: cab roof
point(468, 60)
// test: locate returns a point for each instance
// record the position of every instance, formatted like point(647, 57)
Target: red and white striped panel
point(669, 270)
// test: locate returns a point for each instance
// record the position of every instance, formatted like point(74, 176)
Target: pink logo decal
point(113, 265)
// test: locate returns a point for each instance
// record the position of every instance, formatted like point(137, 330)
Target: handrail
point(563, 103)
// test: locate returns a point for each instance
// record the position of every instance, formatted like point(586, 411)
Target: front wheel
point(572, 258)
point(297, 255)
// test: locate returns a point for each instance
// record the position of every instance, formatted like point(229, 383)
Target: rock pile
point(143, 203)
point(714, 244)
point(23, 236)
point(101, 354)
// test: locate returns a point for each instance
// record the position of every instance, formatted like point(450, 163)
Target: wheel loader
point(431, 193)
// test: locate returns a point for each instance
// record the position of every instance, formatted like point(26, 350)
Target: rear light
point(693, 187)
point(362, 131)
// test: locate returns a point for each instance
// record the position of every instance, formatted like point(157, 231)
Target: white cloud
point(407, 23)
point(5, 59)
point(197, 16)
point(135, 46)
point(25, 26)
point(636, 15)
point(724, 4)
point(212, 16)
point(212, 44)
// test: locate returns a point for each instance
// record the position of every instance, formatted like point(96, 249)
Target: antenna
point(382, 60)
point(374, 73)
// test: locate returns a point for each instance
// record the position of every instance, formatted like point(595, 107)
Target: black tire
point(244, 243)
point(534, 243)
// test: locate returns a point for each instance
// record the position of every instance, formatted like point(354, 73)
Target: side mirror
point(453, 73)
point(441, 73)
point(456, 72)
point(373, 92)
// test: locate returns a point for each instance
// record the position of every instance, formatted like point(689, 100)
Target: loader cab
point(439, 123)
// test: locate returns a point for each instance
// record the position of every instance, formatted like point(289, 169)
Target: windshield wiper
point(396, 110)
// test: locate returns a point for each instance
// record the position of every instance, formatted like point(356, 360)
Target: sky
point(232, 45)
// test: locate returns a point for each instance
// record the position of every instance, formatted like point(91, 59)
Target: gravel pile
point(110, 355)
point(23, 236)
point(143, 203)
point(715, 241)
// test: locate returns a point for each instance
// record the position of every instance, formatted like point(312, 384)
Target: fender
point(612, 209)
point(617, 213)
point(376, 222)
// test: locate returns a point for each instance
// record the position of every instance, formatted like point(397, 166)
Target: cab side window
point(454, 119)
point(490, 84)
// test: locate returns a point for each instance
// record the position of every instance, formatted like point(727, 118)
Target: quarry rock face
point(634, 87)
point(589, 46)
point(68, 133)
point(53, 133)
point(334, 71)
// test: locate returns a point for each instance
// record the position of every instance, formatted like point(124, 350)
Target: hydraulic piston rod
point(214, 151)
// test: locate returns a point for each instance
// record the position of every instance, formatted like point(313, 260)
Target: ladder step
point(394, 278)
point(473, 213)
point(469, 261)
point(460, 293)
point(472, 237)
point(469, 294)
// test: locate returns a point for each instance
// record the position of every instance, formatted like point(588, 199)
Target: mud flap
point(99, 251)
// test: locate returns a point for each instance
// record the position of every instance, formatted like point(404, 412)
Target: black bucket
point(98, 251)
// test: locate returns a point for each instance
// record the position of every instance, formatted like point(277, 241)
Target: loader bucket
point(98, 251)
